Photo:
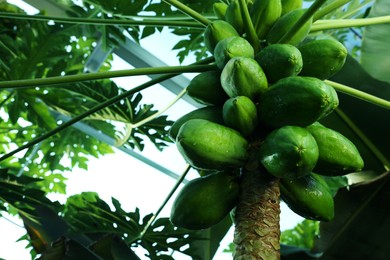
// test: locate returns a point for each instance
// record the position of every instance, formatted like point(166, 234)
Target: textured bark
point(257, 216)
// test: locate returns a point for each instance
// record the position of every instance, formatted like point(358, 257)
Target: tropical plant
point(47, 87)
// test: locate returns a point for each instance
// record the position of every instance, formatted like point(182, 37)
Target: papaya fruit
point(289, 152)
point(206, 89)
point(240, 113)
point(289, 5)
point(243, 76)
point(279, 61)
point(210, 146)
point(285, 23)
point(298, 101)
point(322, 58)
point(216, 31)
point(234, 16)
point(205, 201)
point(211, 113)
point(337, 154)
point(309, 197)
point(232, 47)
point(264, 13)
point(219, 9)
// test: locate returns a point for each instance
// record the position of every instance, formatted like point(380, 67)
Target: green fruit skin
point(216, 31)
point(243, 76)
point(205, 201)
point(264, 13)
point(309, 197)
point(209, 146)
point(284, 24)
point(240, 113)
point(289, 152)
point(298, 101)
point(219, 9)
point(337, 154)
point(322, 58)
point(211, 113)
point(232, 47)
point(234, 16)
point(280, 61)
point(289, 5)
point(205, 88)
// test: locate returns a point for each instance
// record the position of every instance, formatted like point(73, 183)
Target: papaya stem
point(189, 11)
point(249, 27)
point(162, 21)
point(359, 94)
point(372, 147)
point(304, 18)
point(329, 8)
point(322, 25)
point(257, 217)
point(23, 83)
point(173, 190)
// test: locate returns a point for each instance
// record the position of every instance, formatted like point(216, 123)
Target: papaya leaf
point(375, 54)
point(361, 224)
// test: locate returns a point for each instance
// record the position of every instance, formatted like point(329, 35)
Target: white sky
point(120, 176)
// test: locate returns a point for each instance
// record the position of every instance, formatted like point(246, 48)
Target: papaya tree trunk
point(257, 216)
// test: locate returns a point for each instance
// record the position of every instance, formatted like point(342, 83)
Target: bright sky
point(132, 182)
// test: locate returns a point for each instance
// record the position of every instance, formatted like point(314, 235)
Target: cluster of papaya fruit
point(262, 108)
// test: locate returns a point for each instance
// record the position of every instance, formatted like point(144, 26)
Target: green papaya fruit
point(216, 31)
point(211, 113)
point(219, 9)
point(285, 23)
point(289, 5)
point(309, 197)
point(243, 76)
point(232, 47)
point(322, 58)
point(337, 154)
point(234, 16)
point(289, 152)
point(205, 88)
point(297, 101)
point(264, 13)
point(279, 61)
point(240, 113)
point(211, 146)
point(205, 201)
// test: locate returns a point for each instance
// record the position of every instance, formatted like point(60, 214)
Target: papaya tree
point(293, 107)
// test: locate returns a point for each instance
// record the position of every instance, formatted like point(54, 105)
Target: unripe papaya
point(232, 47)
point(216, 31)
point(243, 76)
point(240, 113)
point(210, 146)
point(219, 9)
point(206, 88)
point(264, 13)
point(309, 197)
point(279, 61)
point(234, 16)
point(297, 101)
point(211, 113)
point(289, 5)
point(289, 152)
point(285, 23)
point(337, 154)
point(205, 201)
point(322, 58)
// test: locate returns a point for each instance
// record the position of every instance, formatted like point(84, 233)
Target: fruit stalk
point(250, 29)
point(257, 216)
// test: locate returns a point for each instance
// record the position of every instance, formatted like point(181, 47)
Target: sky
point(125, 178)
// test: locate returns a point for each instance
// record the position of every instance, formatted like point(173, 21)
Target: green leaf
point(375, 53)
